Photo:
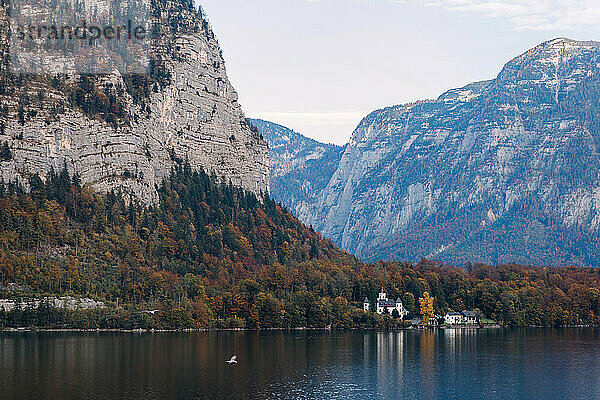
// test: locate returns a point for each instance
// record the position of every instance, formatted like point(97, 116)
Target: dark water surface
point(442, 364)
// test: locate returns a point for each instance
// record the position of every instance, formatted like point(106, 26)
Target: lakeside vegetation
point(213, 256)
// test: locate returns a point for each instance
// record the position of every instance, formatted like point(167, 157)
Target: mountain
point(505, 170)
point(206, 252)
point(124, 131)
point(300, 167)
point(211, 255)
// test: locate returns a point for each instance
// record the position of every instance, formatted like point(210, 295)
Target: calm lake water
point(442, 364)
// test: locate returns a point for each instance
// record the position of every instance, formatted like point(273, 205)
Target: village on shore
point(428, 317)
point(420, 315)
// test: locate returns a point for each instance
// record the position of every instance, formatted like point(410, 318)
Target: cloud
point(541, 15)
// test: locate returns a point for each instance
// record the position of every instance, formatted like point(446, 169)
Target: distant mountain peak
point(552, 59)
point(561, 41)
point(506, 170)
point(561, 46)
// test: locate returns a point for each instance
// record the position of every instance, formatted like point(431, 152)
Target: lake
point(439, 364)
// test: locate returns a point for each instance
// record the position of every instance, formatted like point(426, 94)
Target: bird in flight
point(232, 361)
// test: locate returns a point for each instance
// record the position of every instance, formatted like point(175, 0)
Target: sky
point(320, 66)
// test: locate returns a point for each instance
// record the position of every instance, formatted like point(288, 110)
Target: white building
point(463, 318)
point(471, 317)
point(386, 305)
point(366, 304)
point(454, 318)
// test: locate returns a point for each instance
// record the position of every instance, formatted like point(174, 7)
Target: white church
point(386, 305)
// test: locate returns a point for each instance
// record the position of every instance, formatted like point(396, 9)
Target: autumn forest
point(210, 255)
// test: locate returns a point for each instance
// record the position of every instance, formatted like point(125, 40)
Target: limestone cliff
point(300, 167)
point(506, 170)
point(122, 132)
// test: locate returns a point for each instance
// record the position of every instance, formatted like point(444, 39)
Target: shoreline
point(143, 331)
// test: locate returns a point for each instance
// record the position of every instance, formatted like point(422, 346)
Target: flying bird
point(232, 361)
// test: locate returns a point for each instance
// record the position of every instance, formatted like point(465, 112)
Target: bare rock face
point(300, 167)
point(125, 133)
point(506, 170)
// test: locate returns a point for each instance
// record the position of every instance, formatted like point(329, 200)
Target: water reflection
point(389, 348)
point(427, 364)
point(438, 364)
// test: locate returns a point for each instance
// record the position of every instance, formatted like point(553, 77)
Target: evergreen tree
point(5, 153)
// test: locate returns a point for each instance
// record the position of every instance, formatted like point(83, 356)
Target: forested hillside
point(212, 255)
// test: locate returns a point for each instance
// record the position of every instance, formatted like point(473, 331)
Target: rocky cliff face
point(506, 170)
point(300, 167)
point(123, 132)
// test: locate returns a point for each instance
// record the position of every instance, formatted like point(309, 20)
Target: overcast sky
point(319, 66)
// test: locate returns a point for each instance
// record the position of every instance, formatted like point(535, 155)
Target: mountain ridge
point(294, 159)
point(470, 171)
